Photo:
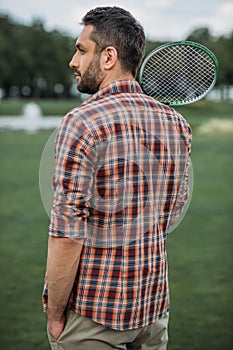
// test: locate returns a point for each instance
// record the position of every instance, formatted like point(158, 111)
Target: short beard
point(91, 78)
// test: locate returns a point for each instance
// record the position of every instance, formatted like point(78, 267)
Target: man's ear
point(109, 58)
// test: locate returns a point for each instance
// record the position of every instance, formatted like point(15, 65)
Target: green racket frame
point(158, 50)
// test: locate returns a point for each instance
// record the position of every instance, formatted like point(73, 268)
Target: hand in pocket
point(56, 328)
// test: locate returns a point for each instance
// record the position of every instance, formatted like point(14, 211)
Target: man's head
point(114, 26)
point(116, 41)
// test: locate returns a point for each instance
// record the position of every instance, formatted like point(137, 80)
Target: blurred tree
point(34, 62)
point(201, 35)
point(224, 52)
point(151, 45)
point(222, 47)
point(5, 67)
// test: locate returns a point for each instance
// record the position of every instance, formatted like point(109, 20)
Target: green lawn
point(200, 249)
point(48, 107)
point(200, 253)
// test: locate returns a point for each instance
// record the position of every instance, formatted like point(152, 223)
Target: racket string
point(178, 73)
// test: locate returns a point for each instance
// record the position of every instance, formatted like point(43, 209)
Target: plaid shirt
point(120, 179)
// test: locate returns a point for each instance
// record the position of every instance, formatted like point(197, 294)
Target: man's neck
point(110, 78)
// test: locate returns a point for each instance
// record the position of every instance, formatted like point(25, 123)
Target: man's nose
point(74, 62)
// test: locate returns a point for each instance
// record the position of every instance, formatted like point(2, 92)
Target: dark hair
point(114, 26)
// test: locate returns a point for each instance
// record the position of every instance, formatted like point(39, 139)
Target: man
point(121, 174)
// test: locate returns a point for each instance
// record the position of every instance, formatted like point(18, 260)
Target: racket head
point(179, 73)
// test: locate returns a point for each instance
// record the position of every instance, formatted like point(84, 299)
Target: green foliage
point(33, 57)
point(222, 47)
point(34, 61)
point(201, 35)
point(151, 45)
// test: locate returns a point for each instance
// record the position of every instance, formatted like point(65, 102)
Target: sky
point(161, 19)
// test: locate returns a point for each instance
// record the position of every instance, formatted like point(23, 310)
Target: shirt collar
point(116, 87)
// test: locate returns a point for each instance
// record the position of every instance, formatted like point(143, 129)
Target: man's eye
point(80, 50)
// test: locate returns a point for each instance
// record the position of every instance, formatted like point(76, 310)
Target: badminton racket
point(179, 73)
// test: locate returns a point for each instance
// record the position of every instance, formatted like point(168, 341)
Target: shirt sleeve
point(186, 181)
point(73, 178)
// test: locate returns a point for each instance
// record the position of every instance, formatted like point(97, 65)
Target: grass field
point(48, 107)
point(200, 250)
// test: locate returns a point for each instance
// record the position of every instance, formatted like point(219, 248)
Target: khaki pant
point(82, 333)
